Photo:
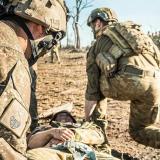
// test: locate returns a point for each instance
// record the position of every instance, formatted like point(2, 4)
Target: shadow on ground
point(123, 156)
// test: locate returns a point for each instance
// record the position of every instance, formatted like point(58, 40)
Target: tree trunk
point(67, 36)
point(77, 36)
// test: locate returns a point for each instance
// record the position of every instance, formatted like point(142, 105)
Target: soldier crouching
point(123, 64)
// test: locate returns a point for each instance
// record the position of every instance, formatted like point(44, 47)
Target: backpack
point(129, 39)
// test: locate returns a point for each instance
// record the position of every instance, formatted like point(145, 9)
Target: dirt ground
point(66, 82)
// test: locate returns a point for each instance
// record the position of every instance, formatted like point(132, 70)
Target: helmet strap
point(20, 22)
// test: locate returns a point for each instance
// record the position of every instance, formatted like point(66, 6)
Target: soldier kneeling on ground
point(64, 139)
point(123, 64)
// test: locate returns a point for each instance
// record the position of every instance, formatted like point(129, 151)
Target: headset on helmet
point(105, 14)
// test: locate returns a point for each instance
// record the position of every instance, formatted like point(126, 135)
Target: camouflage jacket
point(105, 57)
point(15, 86)
point(81, 131)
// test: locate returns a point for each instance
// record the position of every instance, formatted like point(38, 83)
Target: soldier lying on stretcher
point(63, 128)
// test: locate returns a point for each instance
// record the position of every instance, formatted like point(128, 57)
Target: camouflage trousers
point(144, 93)
point(55, 55)
point(33, 105)
point(8, 153)
point(99, 118)
point(51, 154)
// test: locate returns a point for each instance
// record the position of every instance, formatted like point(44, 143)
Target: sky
point(144, 12)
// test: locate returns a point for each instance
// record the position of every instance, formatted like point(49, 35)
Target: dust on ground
point(66, 82)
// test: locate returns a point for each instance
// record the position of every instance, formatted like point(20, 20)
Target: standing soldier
point(55, 53)
point(123, 64)
point(27, 31)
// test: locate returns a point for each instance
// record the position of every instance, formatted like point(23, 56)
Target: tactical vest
point(14, 90)
point(128, 40)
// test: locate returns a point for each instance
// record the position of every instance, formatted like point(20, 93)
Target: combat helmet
point(105, 14)
point(51, 14)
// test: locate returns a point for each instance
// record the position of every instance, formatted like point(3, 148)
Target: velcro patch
point(15, 118)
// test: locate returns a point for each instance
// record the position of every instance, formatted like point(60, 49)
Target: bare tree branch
point(86, 4)
point(80, 5)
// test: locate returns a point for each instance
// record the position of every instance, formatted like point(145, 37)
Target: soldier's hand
point(53, 141)
point(62, 134)
point(89, 108)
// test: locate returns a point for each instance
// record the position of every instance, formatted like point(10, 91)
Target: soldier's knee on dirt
point(148, 136)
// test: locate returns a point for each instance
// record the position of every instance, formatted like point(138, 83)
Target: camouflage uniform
point(33, 105)
point(55, 53)
point(15, 78)
point(87, 133)
point(132, 77)
point(156, 38)
point(15, 84)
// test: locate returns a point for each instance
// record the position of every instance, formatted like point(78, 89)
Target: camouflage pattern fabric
point(15, 95)
point(87, 133)
point(89, 128)
point(33, 105)
point(99, 118)
point(129, 40)
point(51, 15)
point(135, 78)
point(48, 154)
point(79, 151)
point(155, 37)
point(51, 154)
point(55, 53)
point(8, 153)
point(81, 131)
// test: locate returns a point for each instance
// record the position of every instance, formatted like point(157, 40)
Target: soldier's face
point(41, 43)
point(37, 30)
point(96, 25)
point(63, 117)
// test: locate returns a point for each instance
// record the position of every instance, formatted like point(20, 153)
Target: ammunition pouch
point(107, 63)
point(15, 117)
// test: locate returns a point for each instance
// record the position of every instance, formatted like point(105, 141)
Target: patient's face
point(63, 117)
